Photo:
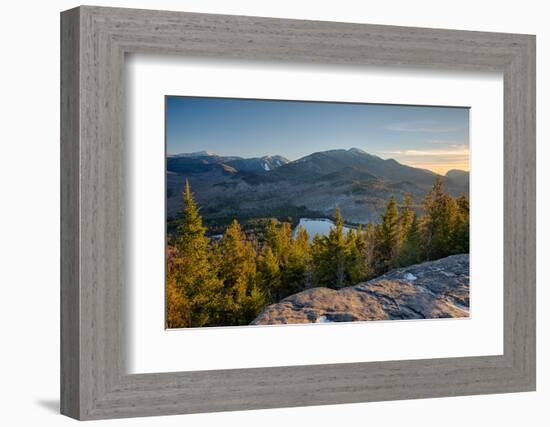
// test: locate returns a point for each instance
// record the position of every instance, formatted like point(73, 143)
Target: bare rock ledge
point(433, 289)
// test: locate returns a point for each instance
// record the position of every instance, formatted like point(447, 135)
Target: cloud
point(423, 126)
point(452, 150)
point(455, 156)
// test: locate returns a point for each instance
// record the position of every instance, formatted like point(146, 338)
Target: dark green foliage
point(229, 281)
point(440, 215)
point(411, 250)
point(461, 233)
point(339, 259)
point(357, 259)
point(388, 238)
point(292, 256)
point(406, 217)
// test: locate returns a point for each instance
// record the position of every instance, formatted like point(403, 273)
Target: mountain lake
point(315, 226)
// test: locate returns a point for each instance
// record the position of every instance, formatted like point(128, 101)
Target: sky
point(434, 138)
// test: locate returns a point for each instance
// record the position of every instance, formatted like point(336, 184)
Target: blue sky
point(435, 138)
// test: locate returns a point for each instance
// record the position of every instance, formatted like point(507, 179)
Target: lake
point(315, 226)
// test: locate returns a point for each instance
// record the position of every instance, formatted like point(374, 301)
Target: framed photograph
point(261, 213)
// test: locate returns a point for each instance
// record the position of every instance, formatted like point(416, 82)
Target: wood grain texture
point(70, 220)
point(94, 382)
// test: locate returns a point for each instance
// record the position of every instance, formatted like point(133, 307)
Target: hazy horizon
point(291, 160)
point(433, 138)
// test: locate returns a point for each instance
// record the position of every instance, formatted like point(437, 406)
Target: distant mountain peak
point(196, 154)
point(456, 172)
point(277, 159)
point(357, 150)
point(458, 176)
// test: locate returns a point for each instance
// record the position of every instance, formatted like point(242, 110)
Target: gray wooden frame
point(94, 382)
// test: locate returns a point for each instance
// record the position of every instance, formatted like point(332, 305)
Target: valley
point(256, 189)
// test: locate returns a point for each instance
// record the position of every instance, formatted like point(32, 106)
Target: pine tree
point(293, 257)
point(461, 232)
point(369, 241)
point(294, 273)
point(177, 305)
point(193, 288)
point(411, 251)
point(388, 238)
point(191, 231)
point(279, 238)
point(406, 215)
point(357, 265)
point(320, 261)
point(338, 249)
point(440, 212)
point(269, 274)
point(331, 255)
point(243, 296)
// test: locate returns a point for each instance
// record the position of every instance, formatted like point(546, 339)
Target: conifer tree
point(320, 261)
point(406, 215)
point(293, 257)
point(191, 231)
point(357, 266)
point(461, 233)
point(238, 272)
point(193, 287)
point(368, 233)
point(440, 212)
point(279, 238)
point(338, 249)
point(294, 274)
point(331, 255)
point(387, 238)
point(269, 274)
point(177, 306)
point(411, 252)
point(302, 240)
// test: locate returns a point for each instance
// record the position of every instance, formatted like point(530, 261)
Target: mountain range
point(354, 180)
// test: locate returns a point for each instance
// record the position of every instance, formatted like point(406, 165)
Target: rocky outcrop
point(433, 289)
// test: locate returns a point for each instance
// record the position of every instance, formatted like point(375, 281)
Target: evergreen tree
point(301, 240)
point(440, 212)
point(369, 240)
point(357, 265)
point(279, 238)
point(320, 261)
point(338, 250)
point(294, 273)
point(269, 274)
point(411, 252)
point(190, 230)
point(406, 215)
point(461, 233)
point(293, 257)
point(177, 306)
point(193, 288)
point(388, 238)
point(243, 296)
point(331, 256)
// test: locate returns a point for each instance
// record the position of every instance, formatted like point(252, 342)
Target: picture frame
point(94, 380)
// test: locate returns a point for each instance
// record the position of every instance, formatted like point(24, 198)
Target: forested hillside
point(359, 183)
point(230, 280)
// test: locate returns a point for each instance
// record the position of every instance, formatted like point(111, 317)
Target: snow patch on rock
point(410, 277)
